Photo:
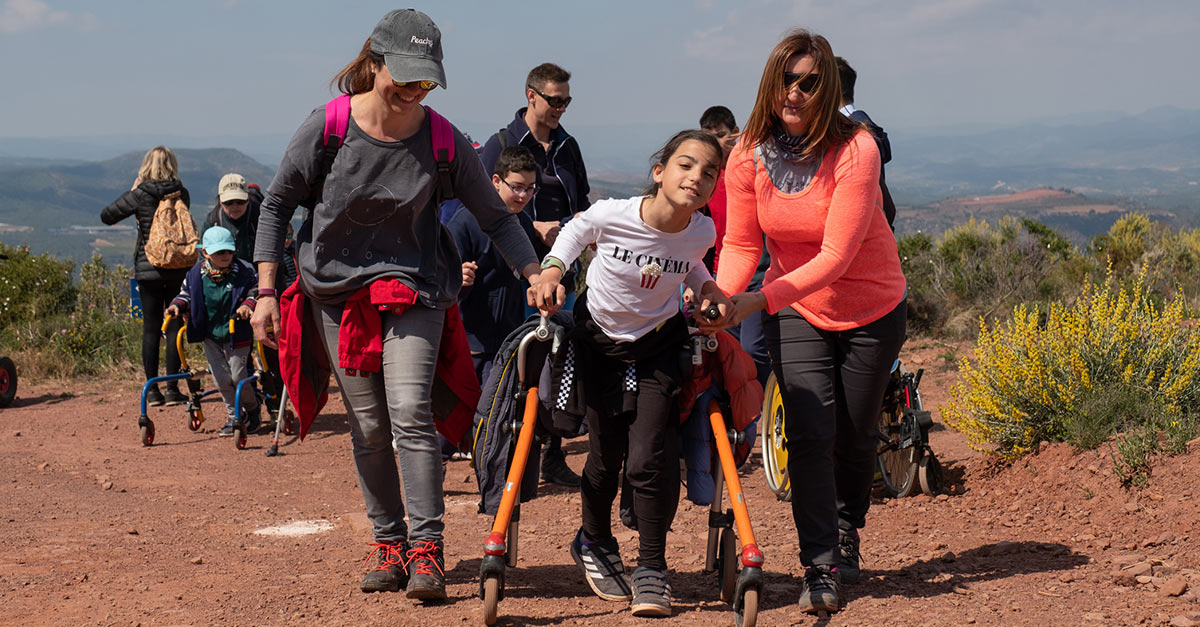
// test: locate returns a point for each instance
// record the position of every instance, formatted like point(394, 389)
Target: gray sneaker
point(848, 565)
point(820, 589)
point(651, 593)
point(602, 567)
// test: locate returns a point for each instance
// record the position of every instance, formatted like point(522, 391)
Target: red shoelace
point(390, 555)
point(424, 554)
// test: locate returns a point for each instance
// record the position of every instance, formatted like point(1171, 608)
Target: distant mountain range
point(1148, 162)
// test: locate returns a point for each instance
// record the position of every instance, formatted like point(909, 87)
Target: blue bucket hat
point(217, 239)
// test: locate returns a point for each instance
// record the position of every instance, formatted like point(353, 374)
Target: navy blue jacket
point(495, 304)
point(885, 155)
point(245, 288)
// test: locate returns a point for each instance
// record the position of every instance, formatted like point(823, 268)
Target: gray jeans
point(395, 404)
point(228, 366)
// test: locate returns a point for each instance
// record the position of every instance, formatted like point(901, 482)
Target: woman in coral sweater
point(808, 178)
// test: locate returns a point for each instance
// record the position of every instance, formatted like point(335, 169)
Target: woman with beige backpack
point(157, 180)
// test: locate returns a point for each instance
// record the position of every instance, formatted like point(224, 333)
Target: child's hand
point(710, 295)
point(172, 311)
point(468, 270)
point(547, 294)
point(244, 312)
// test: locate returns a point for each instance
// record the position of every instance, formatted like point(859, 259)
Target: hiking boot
point(848, 548)
point(651, 593)
point(227, 430)
point(154, 397)
point(821, 589)
point(555, 470)
point(388, 571)
point(426, 574)
point(602, 567)
point(173, 396)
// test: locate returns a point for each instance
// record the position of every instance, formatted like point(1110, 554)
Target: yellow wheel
point(774, 445)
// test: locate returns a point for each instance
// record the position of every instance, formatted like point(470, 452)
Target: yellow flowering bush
point(1112, 360)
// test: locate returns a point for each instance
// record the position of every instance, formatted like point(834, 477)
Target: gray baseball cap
point(411, 45)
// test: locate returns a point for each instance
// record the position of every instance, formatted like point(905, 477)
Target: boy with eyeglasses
point(492, 300)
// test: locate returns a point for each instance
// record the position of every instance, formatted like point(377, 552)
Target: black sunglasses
point(555, 102)
point(805, 82)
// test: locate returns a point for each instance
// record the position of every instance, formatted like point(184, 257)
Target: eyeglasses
point(555, 102)
point(424, 85)
point(233, 202)
point(804, 82)
point(521, 191)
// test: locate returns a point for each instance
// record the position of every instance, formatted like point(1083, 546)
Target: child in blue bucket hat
point(220, 288)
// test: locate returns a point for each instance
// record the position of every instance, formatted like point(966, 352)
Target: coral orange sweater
point(833, 257)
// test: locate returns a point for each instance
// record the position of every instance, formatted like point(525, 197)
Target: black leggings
point(833, 384)
point(647, 442)
point(156, 296)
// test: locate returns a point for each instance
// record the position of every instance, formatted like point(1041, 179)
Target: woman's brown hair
point(826, 126)
point(358, 77)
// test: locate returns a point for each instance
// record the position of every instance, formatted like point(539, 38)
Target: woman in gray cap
point(374, 222)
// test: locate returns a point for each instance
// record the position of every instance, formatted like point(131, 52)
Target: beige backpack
point(173, 238)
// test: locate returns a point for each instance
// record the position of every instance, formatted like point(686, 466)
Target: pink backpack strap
point(443, 153)
point(337, 119)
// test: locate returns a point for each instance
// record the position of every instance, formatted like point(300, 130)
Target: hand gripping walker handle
point(712, 312)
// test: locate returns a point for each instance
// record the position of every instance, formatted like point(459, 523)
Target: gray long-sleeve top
point(378, 217)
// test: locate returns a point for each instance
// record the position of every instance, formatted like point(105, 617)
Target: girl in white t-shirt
point(625, 355)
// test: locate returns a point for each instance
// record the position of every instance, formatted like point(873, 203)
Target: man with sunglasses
point(562, 191)
point(237, 210)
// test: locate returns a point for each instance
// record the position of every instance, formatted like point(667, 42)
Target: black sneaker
point(651, 593)
point(227, 430)
point(426, 574)
point(821, 589)
point(555, 470)
point(388, 571)
point(154, 397)
point(848, 566)
point(602, 567)
point(253, 419)
point(173, 396)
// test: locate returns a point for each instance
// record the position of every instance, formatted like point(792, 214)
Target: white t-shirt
point(633, 283)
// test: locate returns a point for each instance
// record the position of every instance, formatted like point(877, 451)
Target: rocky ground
point(99, 530)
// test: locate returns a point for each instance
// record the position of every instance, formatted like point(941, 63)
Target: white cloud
point(21, 16)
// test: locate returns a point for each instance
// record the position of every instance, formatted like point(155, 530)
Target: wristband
point(267, 291)
point(554, 262)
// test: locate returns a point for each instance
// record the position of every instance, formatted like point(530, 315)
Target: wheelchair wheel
point(930, 475)
point(8, 381)
point(897, 465)
point(774, 445)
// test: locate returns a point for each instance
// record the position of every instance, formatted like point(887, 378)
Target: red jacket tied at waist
point(306, 366)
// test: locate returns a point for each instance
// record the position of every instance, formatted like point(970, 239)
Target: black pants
point(156, 296)
point(647, 442)
point(833, 384)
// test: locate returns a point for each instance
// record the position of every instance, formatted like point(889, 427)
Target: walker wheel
point(195, 419)
point(491, 599)
point(147, 432)
point(930, 475)
point(239, 436)
point(290, 426)
point(727, 565)
point(748, 616)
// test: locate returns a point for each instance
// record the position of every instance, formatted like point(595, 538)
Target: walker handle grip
point(166, 320)
point(712, 312)
point(543, 330)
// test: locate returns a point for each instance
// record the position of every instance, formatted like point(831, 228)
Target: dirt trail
point(99, 530)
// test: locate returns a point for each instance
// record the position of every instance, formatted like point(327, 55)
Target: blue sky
point(244, 67)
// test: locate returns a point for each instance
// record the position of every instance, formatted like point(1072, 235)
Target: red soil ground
point(101, 531)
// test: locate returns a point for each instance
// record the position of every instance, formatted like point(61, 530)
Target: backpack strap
point(443, 153)
point(337, 121)
point(502, 138)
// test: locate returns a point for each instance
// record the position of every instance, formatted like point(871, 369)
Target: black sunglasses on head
point(804, 82)
point(555, 102)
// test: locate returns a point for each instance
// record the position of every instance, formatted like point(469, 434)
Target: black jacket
point(564, 156)
point(141, 201)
